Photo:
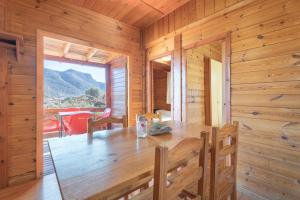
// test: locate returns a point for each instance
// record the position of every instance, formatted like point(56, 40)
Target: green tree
point(93, 92)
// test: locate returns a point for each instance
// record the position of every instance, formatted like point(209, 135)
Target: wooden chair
point(192, 153)
point(224, 162)
point(94, 125)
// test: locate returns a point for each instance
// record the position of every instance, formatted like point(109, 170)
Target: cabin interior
point(222, 77)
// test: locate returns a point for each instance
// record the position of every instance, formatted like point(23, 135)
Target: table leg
point(61, 126)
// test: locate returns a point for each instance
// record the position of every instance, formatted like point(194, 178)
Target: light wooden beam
point(152, 7)
point(66, 48)
point(90, 54)
point(109, 58)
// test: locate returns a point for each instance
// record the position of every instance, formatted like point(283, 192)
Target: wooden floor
point(42, 189)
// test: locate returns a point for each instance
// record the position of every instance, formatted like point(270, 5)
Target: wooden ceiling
point(139, 13)
point(65, 50)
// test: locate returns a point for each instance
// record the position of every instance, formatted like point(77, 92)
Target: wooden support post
point(226, 60)
point(108, 86)
point(207, 91)
point(149, 87)
point(3, 118)
point(177, 78)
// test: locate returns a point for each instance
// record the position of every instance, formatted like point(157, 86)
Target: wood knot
point(284, 137)
point(260, 37)
point(255, 113)
point(2, 161)
point(276, 97)
point(11, 103)
point(247, 127)
point(296, 55)
point(119, 28)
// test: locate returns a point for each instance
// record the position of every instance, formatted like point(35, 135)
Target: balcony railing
point(51, 119)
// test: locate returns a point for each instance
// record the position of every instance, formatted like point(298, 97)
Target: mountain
point(68, 83)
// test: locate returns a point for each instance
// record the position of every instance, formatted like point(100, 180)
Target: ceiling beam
point(73, 61)
point(152, 7)
point(66, 48)
point(90, 54)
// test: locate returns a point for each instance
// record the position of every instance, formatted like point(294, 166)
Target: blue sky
point(97, 73)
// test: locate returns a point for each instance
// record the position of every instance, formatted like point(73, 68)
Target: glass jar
point(141, 127)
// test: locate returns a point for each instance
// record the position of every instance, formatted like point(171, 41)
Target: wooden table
point(71, 113)
point(99, 168)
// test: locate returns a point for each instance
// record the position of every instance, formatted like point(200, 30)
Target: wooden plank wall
point(160, 79)
point(195, 80)
point(265, 78)
point(118, 72)
point(25, 17)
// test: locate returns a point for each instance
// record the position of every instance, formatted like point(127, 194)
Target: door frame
point(226, 60)
point(149, 81)
point(40, 85)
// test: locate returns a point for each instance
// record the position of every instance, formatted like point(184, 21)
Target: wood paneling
point(25, 17)
point(192, 11)
point(118, 74)
point(265, 86)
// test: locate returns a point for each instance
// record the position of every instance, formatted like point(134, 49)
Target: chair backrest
point(192, 154)
point(106, 113)
point(78, 123)
point(94, 124)
point(152, 116)
point(224, 162)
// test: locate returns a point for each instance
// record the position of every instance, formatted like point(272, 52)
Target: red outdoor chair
point(106, 114)
point(50, 124)
point(77, 124)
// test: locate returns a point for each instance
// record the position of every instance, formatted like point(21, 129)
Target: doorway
point(160, 87)
point(208, 81)
point(77, 78)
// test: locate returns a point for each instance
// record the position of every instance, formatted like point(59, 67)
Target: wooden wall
point(195, 79)
point(25, 17)
point(118, 72)
point(160, 80)
point(265, 83)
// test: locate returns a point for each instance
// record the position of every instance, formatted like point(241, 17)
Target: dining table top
point(104, 165)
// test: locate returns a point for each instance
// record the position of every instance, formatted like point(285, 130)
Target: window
point(73, 85)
